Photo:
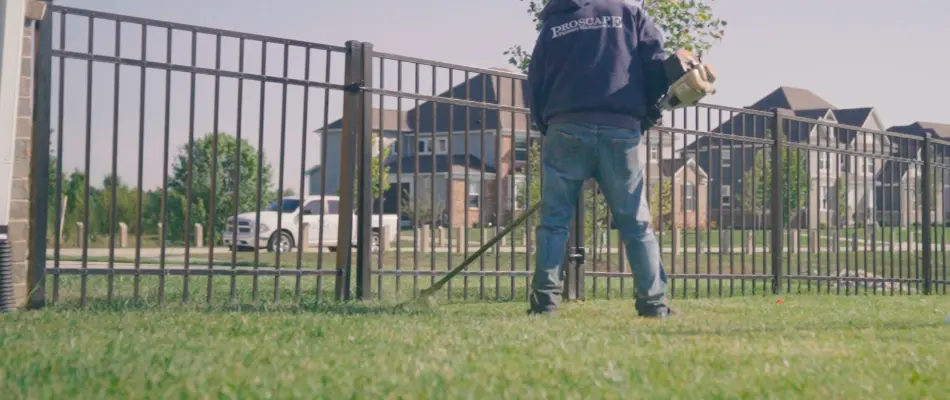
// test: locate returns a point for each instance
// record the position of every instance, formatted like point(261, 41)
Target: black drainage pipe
point(6, 272)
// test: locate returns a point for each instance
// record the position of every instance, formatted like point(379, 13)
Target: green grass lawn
point(809, 347)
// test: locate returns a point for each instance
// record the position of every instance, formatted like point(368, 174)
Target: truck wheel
point(280, 242)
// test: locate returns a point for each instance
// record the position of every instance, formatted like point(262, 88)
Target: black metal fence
point(426, 163)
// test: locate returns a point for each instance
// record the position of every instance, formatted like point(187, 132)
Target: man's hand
point(653, 118)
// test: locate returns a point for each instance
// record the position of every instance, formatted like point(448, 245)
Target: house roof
point(443, 163)
point(481, 88)
point(791, 98)
point(802, 103)
point(919, 127)
point(942, 130)
point(909, 147)
point(669, 167)
point(390, 121)
point(853, 116)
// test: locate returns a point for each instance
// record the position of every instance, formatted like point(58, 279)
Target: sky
point(853, 53)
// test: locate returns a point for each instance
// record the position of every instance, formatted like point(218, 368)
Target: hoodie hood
point(561, 6)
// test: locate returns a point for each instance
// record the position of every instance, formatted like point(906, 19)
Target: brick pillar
point(20, 195)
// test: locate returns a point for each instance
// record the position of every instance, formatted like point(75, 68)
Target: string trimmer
point(426, 294)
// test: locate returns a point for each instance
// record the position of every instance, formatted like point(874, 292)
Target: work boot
point(541, 307)
point(660, 312)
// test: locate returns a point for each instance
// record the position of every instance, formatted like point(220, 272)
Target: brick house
point(828, 172)
point(464, 164)
point(689, 182)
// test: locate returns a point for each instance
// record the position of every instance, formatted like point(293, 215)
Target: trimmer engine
point(691, 80)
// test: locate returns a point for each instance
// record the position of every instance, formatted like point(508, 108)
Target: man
point(595, 77)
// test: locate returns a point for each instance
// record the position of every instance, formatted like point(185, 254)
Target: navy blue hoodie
point(596, 61)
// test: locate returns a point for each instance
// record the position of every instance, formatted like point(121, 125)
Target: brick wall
point(20, 196)
point(488, 202)
point(460, 205)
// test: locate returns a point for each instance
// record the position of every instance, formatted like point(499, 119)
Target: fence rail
point(426, 161)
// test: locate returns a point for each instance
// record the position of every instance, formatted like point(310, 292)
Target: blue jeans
point(573, 153)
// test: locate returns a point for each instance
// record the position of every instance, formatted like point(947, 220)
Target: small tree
point(661, 203)
point(757, 183)
point(377, 169)
point(125, 207)
point(420, 208)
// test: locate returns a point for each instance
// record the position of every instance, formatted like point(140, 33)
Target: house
point(386, 123)
point(898, 184)
point(687, 196)
point(460, 165)
point(467, 161)
point(831, 172)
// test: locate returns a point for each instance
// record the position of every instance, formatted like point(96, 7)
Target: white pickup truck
point(286, 239)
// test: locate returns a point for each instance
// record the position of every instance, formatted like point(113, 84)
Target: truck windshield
point(287, 205)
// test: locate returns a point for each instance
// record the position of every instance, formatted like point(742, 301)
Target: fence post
point(353, 83)
point(42, 97)
point(573, 265)
point(364, 145)
point(926, 226)
point(776, 208)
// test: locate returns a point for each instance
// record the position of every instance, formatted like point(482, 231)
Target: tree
point(757, 183)
point(420, 208)
point(73, 189)
point(686, 24)
point(531, 185)
point(125, 209)
point(661, 203)
point(228, 162)
point(174, 217)
point(377, 167)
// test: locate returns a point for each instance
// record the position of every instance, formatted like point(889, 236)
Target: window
point(425, 146)
point(521, 151)
point(823, 199)
point(393, 148)
point(520, 196)
point(285, 205)
point(689, 194)
point(654, 151)
point(474, 195)
point(823, 161)
point(442, 146)
point(313, 207)
point(726, 192)
point(726, 157)
point(333, 207)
